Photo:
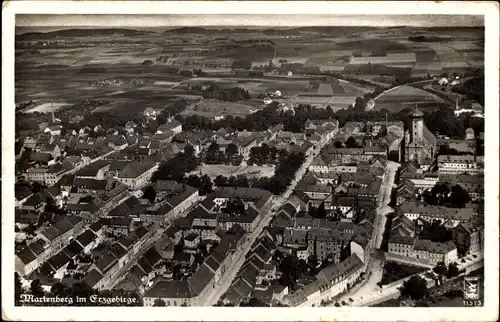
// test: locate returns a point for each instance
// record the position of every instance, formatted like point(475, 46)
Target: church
point(420, 143)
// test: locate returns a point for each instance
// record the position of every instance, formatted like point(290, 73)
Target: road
point(378, 295)
point(375, 264)
point(227, 278)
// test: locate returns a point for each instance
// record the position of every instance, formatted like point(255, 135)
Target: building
point(53, 130)
point(449, 216)
point(460, 164)
point(468, 237)
point(420, 143)
point(330, 282)
point(421, 250)
point(171, 125)
point(137, 174)
point(149, 113)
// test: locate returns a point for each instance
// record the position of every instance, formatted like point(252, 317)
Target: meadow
point(147, 65)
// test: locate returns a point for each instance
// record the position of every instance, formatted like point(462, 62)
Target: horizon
point(250, 20)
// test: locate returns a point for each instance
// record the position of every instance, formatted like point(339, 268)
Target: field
point(406, 96)
point(214, 170)
point(212, 108)
point(146, 65)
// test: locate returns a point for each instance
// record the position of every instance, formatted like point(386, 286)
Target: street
point(375, 265)
point(227, 278)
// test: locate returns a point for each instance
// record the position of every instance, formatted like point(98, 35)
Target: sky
point(132, 20)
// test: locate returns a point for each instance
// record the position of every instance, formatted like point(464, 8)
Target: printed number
point(473, 303)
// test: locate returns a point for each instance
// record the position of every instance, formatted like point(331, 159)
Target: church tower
point(416, 126)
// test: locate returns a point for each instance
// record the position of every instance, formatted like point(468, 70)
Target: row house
point(47, 243)
point(460, 164)
point(422, 250)
point(331, 281)
point(451, 217)
point(193, 290)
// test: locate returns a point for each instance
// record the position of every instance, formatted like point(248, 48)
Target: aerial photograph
point(184, 160)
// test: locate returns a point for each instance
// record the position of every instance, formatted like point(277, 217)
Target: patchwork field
point(406, 96)
point(146, 65)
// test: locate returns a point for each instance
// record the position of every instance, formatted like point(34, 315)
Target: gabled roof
point(92, 277)
point(170, 289)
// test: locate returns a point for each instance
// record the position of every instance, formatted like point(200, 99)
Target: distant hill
point(78, 33)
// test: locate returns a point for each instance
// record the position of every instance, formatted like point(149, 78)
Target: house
point(173, 293)
point(149, 113)
point(422, 251)
point(468, 237)
point(469, 134)
point(332, 280)
point(22, 193)
point(130, 126)
point(35, 203)
point(137, 174)
point(96, 170)
point(460, 164)
point(53, 130)
point(443, 81)
point(171, 125)
point(449, 216)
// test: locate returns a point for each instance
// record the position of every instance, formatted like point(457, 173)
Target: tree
point(36, 288)
point(351, 143)
point(37, 187)
point(459, 197)
point(59, 289)
point(212, 153)
point(415, 288)
point(231, 150)
point(441, 270)
point(453, 270)
point(150, 194)
point(337, 144)
point(159, 302)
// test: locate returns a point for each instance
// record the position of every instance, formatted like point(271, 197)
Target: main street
point(227, 278)
point(375, 264)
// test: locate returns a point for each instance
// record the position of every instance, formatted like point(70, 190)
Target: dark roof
point(144, 265)
point(170, 289)
point(200, 279)
point(26, 255)
point(34, 200)
point(66, 180)
point(92, 277)
point(105, 261)
point(37, 247)
point(152, 256)
point(128, 240)
point(26, 217)
point(73, 249)
point(22, 192)
point(395, 239)
point(59, 260)
point(117, 250)
point(93, 168)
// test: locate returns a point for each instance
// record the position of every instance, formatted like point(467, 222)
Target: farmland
point(134, 69)
point(406, 96)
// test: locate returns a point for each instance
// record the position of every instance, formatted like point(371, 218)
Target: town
point(188, 181)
